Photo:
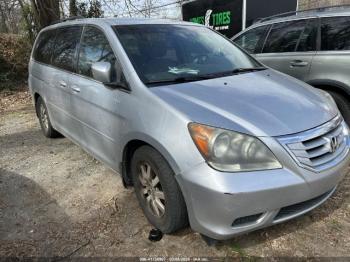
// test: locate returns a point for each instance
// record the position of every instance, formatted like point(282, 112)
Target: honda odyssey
point(205, 134)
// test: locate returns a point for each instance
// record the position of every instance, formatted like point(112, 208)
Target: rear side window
point(94, 48)
point(335, 33)
point(67, 39)
point(284, 37)
point(308, 39)
point(44, 47)
point(252, 40)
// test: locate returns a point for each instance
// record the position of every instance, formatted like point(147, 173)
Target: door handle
point(298, 63)
point(75, 89)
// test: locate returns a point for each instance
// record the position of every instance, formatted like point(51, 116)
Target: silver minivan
point(205, 134)
point(311, 45)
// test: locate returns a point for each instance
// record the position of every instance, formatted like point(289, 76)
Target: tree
point(73, 8)
point(45, 12)
point(10, 16)
point(82, 9)
point(27, 21)
point(95, 9)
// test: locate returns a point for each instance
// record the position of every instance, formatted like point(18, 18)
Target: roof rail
point(297, 12)
point(67, 19)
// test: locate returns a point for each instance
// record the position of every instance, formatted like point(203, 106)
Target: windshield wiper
point(234, 72)
point(178, 80)
point(185, 79)
point(250, 69)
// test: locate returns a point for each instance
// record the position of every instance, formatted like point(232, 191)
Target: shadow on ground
point(28, 216)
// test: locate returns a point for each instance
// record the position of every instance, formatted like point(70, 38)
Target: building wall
point(308, 4)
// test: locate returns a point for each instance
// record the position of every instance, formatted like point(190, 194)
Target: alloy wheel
point(151, 189)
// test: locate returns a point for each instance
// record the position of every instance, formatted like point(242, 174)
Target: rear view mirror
point(101, 71)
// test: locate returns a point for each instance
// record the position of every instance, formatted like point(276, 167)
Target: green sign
point(217, 19)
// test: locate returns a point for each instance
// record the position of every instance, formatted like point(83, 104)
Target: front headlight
point(231, 151)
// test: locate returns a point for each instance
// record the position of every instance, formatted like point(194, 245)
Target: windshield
point(175, 53)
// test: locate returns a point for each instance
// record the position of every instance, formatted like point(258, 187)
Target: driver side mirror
point(102, 71)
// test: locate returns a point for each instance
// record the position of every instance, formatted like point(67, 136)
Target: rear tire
point(343, 105)
point(44, 120)
point(157, 191)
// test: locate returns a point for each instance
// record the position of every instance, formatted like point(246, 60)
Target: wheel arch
point(332, 85)
point(132, 145)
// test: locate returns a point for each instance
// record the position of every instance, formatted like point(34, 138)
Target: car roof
point(343, 10)
point(117, 21)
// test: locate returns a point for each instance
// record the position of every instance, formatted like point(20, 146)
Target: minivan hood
point(265, 103)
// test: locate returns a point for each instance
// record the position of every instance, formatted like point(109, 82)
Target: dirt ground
point(56, 200)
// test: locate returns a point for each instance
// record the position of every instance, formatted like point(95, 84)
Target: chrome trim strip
point(294, 143)
point(312, 133)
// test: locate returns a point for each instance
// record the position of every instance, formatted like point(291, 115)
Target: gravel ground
point(56, 200)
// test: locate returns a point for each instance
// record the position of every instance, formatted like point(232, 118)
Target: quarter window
point(252, 40)
point(67, 40)
point(335, 33)
point(284, 37)
point(44, 47)
point(94, 48)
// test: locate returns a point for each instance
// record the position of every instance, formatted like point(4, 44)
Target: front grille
point(320, 148)
point(302, 207)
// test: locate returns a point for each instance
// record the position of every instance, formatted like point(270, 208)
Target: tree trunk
point(27, 20)
point(73, 9)
point(3, 25)
point(45, 12)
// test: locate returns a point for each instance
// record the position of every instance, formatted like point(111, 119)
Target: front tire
point(44, 120)
point(157, 190)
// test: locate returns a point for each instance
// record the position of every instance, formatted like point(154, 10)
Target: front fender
point(155, 144)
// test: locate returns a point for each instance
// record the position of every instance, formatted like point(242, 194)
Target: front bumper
point(221, 205)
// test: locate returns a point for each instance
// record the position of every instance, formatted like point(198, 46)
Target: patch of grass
point(237, 249)
point(335, 224)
